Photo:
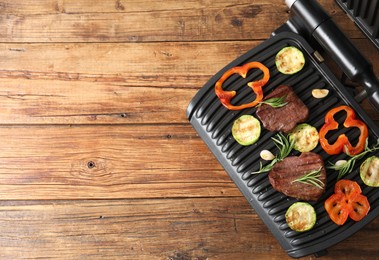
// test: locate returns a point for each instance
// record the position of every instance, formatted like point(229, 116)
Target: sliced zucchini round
point(305, 137)
point(369, 171)
point(301, 216)
point(246, 130)
point(289, 60)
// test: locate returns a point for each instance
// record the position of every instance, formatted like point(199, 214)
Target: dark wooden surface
point(98, 159)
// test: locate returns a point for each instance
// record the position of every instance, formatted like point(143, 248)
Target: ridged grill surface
point(366, 14)
point(213, 122)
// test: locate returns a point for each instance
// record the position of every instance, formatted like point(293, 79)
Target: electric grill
point(312, 31)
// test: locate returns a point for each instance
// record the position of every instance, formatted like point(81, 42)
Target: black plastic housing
point(313, 22)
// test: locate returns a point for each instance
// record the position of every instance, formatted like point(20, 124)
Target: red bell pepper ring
point(343, 143)
point(347, 201)
point(226, 96)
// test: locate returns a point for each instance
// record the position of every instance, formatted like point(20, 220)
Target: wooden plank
point(116, 83)
point(59, 102)
point(108, 162)
point(90, 90)
point(141, 21)
point(223, 228)
point(169, 64)
point(133, 229)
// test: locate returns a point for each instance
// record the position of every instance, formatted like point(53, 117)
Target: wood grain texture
point(117, 83)
point(108, 162)
point(149, 229)
point(114, 83)
point(134, 229)
point(140, 20)
point(126, 22)
point(98, 160)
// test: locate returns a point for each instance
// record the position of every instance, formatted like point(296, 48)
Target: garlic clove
point(340, 162)
point(267, 155)
point(320, 93)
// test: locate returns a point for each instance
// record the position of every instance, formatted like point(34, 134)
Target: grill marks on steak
point(284, 173)
point(285, 118)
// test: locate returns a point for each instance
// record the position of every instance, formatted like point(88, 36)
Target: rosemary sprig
point(312, 178)
point(267, 167)
point(275, 102)
point(285, 147)
point(347, 167)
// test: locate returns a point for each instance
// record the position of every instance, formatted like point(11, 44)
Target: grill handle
point(311, 19)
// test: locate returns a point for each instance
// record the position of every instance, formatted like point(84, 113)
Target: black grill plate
point(213, 123)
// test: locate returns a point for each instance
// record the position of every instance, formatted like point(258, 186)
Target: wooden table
point(98, 159)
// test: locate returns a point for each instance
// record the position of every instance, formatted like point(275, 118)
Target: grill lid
point(213, 123)
point(365, 15)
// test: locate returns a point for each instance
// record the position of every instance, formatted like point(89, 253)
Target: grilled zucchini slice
point(369, 171)
point(301, 216)
point(289, 60)
point(246, 130)
point(305, 137)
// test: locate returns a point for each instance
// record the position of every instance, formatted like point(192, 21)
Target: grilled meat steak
point(284, 173)
point(285, 118)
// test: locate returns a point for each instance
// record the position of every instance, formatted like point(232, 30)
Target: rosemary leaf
point(275, 102)
point(284, 145)
point(311, 178)
point(319, 185)
point(267, 167)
